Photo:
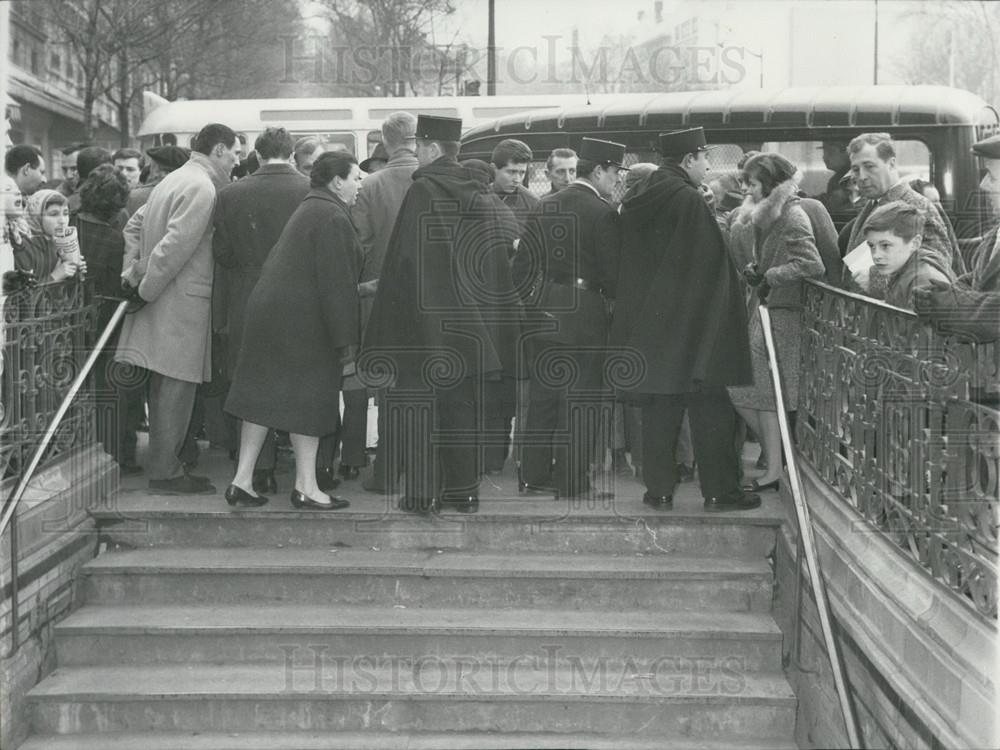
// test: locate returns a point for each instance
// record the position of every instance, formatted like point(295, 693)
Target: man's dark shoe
point(733, 502)
point(198, 478)
point(348, 473)
point(264, 481)
point(326, 479)
point(658, 502)
point(468, 504)
point(524, 488)
point(182, 485)
point(129, 470)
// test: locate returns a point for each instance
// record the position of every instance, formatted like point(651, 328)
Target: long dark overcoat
point(301, 317)
point(249, 217)
point(445, 304)
point(679, 303)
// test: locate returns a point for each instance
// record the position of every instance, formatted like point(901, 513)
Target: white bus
point(351, 124)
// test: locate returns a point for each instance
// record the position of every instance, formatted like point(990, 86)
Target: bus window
point(331, 141)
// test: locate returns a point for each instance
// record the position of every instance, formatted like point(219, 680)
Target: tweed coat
point(172, 334)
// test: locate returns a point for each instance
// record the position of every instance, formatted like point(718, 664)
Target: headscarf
point(36, 205)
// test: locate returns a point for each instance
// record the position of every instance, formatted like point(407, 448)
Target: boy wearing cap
point(681, 309)
point(566, 269)
point(162, 161)
point(444, 322)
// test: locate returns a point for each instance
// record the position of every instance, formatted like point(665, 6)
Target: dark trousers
point(170, 405)
point(712, 420)
point(387, 467)
point(563, 426)
point(354, 428)
point(500, 397)
point(436, 439)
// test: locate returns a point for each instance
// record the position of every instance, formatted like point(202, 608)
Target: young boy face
point(890, 251)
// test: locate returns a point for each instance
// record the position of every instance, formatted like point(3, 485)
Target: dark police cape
point(445, 307)
point(680, 303)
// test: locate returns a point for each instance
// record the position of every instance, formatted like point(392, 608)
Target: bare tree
point(390, 42)
point(954, 44)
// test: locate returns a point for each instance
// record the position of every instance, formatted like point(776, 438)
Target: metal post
point(491, 52)
point(806, 540)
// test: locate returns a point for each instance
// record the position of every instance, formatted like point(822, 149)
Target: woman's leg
point(770, 439)
point(305, 448)
point(252, 438)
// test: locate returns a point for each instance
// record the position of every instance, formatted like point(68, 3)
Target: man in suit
point(250, 215)
point(873, 165)
point(375, 214)
point(171, 334)
point(681, 309)
point(566, 268)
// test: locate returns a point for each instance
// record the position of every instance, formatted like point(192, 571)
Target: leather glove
point(763, 289)
point(135, 300)
point(18, 281)
point(752, 275)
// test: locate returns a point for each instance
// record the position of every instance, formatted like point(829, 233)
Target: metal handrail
point(10, 505)
point(806, 540)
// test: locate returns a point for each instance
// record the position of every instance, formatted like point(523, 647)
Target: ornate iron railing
point(45, 341)
point(887, 417)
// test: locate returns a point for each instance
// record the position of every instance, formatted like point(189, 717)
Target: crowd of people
point(487, 322)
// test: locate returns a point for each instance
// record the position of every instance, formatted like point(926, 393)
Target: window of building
point(34, 61)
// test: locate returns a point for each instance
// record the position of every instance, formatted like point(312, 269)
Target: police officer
point(680, 307)
point(438, 321)
point(566, 269)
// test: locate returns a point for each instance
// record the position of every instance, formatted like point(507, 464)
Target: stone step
point(299, 635)
point(430, 578)
point(710, 704)
point(385, 741)
point(617, 526)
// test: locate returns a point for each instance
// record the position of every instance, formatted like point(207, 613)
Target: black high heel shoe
point(301, 501)
point(237, 497)
point(755, 486)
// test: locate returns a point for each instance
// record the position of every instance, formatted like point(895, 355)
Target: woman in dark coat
point(301, 330)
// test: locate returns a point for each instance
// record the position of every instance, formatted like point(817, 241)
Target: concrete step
point(617, 526)
point(435, 578)
point(385, 741)
point(298, 635)
point(439, 697)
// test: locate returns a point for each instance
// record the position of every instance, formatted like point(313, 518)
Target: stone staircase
point(533, 624)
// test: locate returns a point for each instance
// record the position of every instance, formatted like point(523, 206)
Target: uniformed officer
point(438, 321)
point(681, 309)
point(566, 269)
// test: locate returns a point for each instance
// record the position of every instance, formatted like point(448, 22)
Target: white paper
point(859, 259)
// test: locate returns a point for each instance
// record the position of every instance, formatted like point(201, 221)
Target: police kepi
point(603, 152)
point(436, 128)
point(680, 142)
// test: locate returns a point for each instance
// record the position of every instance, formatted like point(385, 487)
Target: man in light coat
point(172, 274)
point(375, 215)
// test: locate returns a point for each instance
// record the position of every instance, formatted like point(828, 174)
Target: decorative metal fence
point(46, 331)
point(892, 415)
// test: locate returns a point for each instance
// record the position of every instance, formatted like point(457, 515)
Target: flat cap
point(169, 157)
point(602, 152)
point(680, 142)
point(988, 148)
point(379, 154)
point(437, 128)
